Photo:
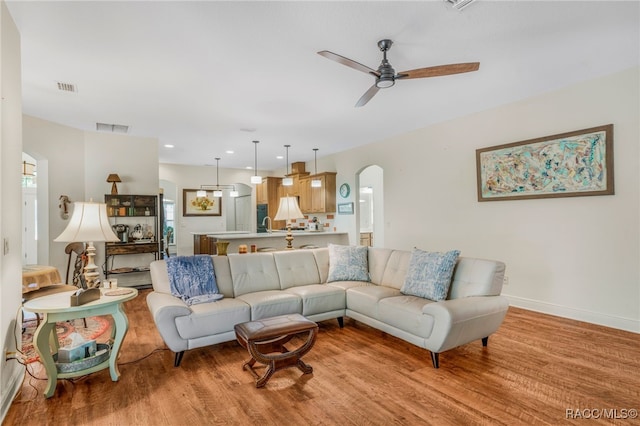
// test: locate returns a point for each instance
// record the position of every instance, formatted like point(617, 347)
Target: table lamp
point(288, 210)
point(113, 178)
point(88, 224)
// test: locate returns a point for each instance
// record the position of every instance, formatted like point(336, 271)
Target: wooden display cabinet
point(127, 210)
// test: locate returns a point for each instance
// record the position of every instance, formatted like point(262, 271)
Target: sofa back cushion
point(223, 275)
point(296, 268)
point(396, 269)
point(253, 272)
point(378, 259)
point(322, 260)
point(476, 277)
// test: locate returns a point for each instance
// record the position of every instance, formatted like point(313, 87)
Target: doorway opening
point(370, 206)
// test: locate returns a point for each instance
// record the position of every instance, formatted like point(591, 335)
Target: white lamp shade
point(316, 183)
point(288, 209)
point(217, 193)
point(256, 179)
point(89, 222)
point(287, 181)
point(234, 193)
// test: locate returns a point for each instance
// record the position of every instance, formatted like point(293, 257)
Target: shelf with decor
point(135, 221)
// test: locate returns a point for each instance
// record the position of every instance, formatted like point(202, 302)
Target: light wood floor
point(535, 368)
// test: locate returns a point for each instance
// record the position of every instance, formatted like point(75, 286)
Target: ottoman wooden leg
point(262, 352)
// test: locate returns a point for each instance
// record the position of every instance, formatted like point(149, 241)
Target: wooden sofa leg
point(435, 359)
point(341, 322)
point(485, 340)
point(178, 360)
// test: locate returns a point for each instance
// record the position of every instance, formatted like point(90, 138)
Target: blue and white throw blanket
point(192, 279)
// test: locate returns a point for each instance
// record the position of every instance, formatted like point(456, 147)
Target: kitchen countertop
point(204, 243)
point(274, 234)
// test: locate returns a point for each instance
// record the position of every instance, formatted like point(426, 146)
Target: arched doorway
point(29, 210)
point(370, 206)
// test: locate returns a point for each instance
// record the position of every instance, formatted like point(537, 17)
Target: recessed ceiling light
point(229, 151)
point(249, 167)
point(279, 157)
point(168, 145)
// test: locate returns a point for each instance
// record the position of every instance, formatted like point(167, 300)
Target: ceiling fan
point(386, 76)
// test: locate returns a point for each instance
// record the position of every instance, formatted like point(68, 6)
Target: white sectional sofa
point(260, 285)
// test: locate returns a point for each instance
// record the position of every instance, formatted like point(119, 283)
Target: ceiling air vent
point(67, 87)
point(460, 4)
point(113, 128)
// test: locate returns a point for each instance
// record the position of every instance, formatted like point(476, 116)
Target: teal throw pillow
point(348, 263)
point(429, 274)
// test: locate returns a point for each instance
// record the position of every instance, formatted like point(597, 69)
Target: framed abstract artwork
point(572, 164)
point(192, 205)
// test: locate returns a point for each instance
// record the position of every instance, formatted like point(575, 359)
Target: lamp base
point(85, 296)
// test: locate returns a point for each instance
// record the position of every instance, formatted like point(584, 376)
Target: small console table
point(57, 307)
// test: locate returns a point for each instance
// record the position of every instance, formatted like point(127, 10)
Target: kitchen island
point(205, 243)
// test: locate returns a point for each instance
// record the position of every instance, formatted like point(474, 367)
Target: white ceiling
point(210, 76)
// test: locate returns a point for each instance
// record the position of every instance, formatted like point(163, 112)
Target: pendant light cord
point(217, 172)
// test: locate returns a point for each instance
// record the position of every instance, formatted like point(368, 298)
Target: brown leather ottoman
point(265, 339)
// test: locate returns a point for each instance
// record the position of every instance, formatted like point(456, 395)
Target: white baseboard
point(599, 318)
point(15, 383)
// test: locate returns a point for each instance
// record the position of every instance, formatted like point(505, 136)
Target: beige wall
point(77, 165)
point(11, 373)
point(575, 257)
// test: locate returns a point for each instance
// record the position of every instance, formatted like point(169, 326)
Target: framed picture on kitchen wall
point(571, 164)
point(198, 202)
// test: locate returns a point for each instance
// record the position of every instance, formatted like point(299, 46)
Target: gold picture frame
point(192, 205)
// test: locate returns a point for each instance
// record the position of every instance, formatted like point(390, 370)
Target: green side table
point(57, 307)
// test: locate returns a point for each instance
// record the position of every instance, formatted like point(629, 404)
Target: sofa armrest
point(460, 321)
point(165, 308)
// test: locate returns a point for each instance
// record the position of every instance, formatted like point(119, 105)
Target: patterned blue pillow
point(348, 263)
point(429, 274)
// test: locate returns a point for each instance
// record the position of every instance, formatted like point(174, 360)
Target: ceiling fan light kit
point(386, 76)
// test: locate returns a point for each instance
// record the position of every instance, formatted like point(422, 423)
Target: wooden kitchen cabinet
point(268, 192)
point(318, 200)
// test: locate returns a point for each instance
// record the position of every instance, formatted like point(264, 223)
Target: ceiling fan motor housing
point(386, 72)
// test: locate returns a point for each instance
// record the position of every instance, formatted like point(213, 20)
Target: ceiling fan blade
point(367, 96)
point(439, 70)
point(348, 62)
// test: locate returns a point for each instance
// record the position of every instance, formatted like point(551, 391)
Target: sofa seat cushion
point(405, 312)
point(364, 300)
point(271, 303)
point(212, 318)
point(319, 298)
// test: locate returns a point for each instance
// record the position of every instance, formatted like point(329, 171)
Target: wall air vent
point(66, 87)
point(459, 4)
point(113, 128)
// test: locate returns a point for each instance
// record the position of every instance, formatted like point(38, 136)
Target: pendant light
point(316, 183)
point(217, 193)
point(287, 181)
point(255, 179)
